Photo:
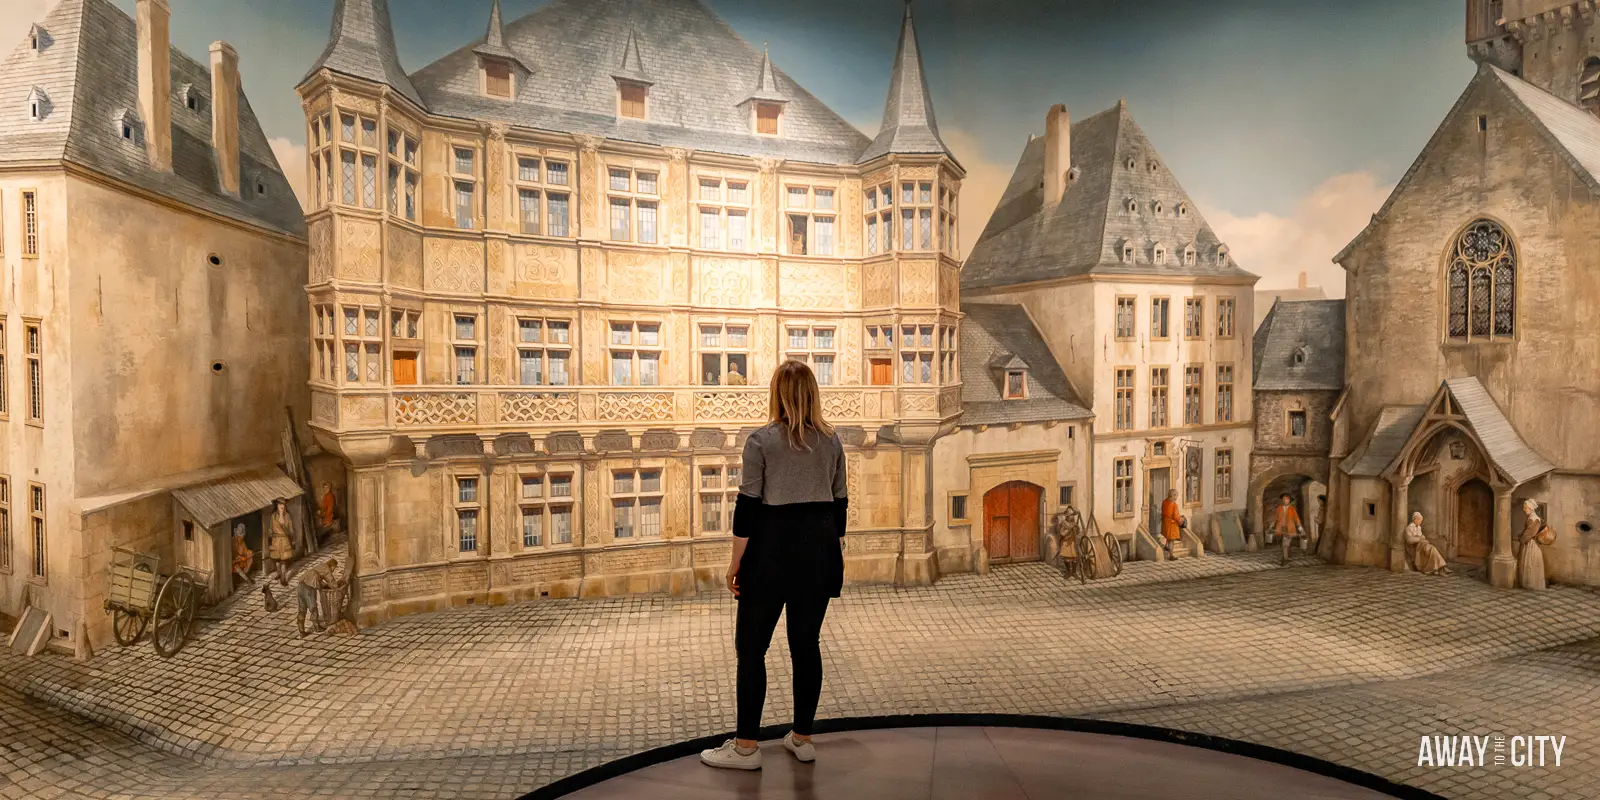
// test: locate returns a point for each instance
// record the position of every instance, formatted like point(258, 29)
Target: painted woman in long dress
point(1530, 565)
point(1424, 556)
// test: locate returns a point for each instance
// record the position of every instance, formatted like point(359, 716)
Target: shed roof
point(1388, 437)
point(221, 499)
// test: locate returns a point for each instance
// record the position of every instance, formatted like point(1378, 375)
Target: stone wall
point(1272, 422)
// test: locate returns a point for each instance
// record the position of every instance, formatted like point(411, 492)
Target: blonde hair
point(796, 403)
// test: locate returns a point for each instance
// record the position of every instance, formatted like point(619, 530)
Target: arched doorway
point(1474, 523)
point(1308, 495)
point(1011, 514)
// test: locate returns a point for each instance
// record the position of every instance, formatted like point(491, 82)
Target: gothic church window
point(1481, 281)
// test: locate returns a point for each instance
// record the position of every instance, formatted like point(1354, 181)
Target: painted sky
point(1286, 120)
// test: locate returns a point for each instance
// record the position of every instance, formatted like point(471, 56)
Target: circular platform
point(994, 763)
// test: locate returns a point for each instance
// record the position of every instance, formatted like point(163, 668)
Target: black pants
point(758, 618)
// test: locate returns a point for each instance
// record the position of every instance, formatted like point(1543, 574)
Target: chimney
point(1302, 281)
point(1057, 153)
point(155, 81)
point(225, 114)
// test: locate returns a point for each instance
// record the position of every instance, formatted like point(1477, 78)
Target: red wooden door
point(1011, 522)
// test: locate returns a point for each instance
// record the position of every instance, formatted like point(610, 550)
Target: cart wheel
point(174, 614)
point(1114, 549)
point(1086, 568)
point(127, 627)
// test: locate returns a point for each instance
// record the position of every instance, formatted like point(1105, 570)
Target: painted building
point(154, 334)
point(1473, 374)
point(1143, 308)
point(552, 272)
point(1298, 376)
point(1021, 451)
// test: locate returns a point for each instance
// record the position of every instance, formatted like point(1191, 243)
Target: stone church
point(1473, 364)
point(552, 272)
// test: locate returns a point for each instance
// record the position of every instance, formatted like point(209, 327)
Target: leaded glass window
point(1481, 281)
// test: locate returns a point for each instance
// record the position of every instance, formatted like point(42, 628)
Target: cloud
point(292, 160)
point(1280, 248)
point(15, 18)
point(985, 182)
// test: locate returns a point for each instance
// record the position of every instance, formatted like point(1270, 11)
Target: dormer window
point(1016, 384)
point(1127, 252)
point(127, 125)
point(1072, 175)
point(767, 117)
point(1189, 256)
point(1131, 206)
point(1159, 254)
point(497, 80)
point(1183, 209)
point(1222, 256)
point(191, 97)
point(631, 99)
point(38, 104)
point(1155, 165)
point(1159, 207)
point(1299, 357)
point(38, 39)
point(1130, 163)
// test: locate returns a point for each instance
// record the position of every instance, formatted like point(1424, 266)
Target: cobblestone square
point(1346, 664)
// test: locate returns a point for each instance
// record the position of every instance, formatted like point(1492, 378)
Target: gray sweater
point(778, 474)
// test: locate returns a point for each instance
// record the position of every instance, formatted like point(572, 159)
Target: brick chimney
point(1057, 153)
point(1302, 284)
point(225, 114)
point(155, 81)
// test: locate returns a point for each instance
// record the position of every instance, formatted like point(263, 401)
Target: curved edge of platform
point(1288, 758)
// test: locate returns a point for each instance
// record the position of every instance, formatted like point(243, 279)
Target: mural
point(422, 395)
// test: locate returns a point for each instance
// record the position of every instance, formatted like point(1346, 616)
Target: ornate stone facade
point(581, 361)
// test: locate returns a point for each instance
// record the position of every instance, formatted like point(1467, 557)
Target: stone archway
point(1308, 494)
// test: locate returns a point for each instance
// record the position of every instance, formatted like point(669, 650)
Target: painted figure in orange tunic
point(1286, 525)
point(325, 508)
point(243, 557)
point(1171, 521)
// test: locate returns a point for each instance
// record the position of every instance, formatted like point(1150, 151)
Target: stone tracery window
point(1481, 281)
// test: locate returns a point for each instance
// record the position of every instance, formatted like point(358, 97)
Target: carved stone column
point(1400, 516)
point(495, 178)
point(919, 566)
point(1502, 561)
point(591, 189)
point(767, 216)
point(366, 459)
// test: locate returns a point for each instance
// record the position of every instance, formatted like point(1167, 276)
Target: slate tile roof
point(908, 120)
point(89, 71)
point(361, 44)
point(1504, 447)
point(997, 336)
point(1027, 241)
point(701, 73)
point(1313, 326)
point(1389, 434)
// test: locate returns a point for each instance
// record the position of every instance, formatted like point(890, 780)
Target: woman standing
point(788, 530)
point(1530, 566)
point(281, 546)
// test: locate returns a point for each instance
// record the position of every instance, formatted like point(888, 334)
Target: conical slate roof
point(361, 45)
point(632, 67)
point(908, 123)
point(766, 83)
point(494, 39)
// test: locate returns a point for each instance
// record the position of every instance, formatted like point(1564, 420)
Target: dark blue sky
point(1254, 103)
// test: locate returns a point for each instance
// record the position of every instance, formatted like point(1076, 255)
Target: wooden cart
point(138, 595)
point(1076, 543)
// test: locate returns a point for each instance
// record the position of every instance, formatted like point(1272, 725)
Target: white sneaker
point(728, 757)
point(804, 751)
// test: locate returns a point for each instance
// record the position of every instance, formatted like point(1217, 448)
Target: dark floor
point(980, 764)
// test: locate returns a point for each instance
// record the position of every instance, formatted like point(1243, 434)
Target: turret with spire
point(908, 123)
point(494, 41)
point(361, 45)
point(632, 67)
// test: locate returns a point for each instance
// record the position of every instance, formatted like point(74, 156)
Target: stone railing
point(469, 408)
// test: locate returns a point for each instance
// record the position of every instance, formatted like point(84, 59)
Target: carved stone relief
point(725, 283)
point(539, 407)
point(880, 284)
point(636, 407)
point(917, 285)
point(633, 278)
point(812, 286)
point(548, 271)
point(853, 488)
point(405, 257)
point(322, 252)
point(454, 265)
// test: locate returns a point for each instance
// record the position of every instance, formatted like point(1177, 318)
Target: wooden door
point(1160, 483)
point(1474, 521)
point(1011, 522)
point(405, 369)
point(882, 372)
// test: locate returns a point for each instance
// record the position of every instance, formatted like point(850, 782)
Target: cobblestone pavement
point(493, 702)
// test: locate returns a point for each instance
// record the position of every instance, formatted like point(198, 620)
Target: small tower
point(361, 45)
point(908, 123)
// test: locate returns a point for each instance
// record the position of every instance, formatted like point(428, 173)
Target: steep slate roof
point(908, 122)
point(701, 71)
point(89, 71)
point(1317, 326)
point(1500, 441)
point(1394, 426)
point(1572, 133)
point(361, 45)
point(1027, 241)
point(997, 336)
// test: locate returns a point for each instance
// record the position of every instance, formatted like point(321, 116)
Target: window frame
point(1123, 504)
point(1161, 389)
point(39, 535)
point(371, 349)
point(1160, 318)
point(457, 344)
point(1224, 404)
point(475, 508)
point(1288, 423)
point(1227, 317)
point(725, 208)
point(757, 118)
point(33, 350)
point(484, 84)
point(544, 346)
point(724, 351)
point(1194, 318)
point(636, 201)
point(547, 506)
point(920, 351)
point(727, 473)
point(811, 214)
point(624, 102)
point(1194, 393)
point(637, 351)
point(963, 497)
point(1130, 303)
point(637, 497)
point(1222, 472)
point(1124, 416)
point(29, 210)
point(880, 218)
point(7, 560)
point(810, 352)
point(1021, 391)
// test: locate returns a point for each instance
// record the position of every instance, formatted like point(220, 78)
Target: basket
point(1546, 535)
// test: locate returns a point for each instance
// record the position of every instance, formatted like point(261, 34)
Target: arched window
point(1481, 280)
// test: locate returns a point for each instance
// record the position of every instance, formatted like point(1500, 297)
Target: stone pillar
point(366, 459)
point(918, 564)
point(1502, 561)
point(1399, 517)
